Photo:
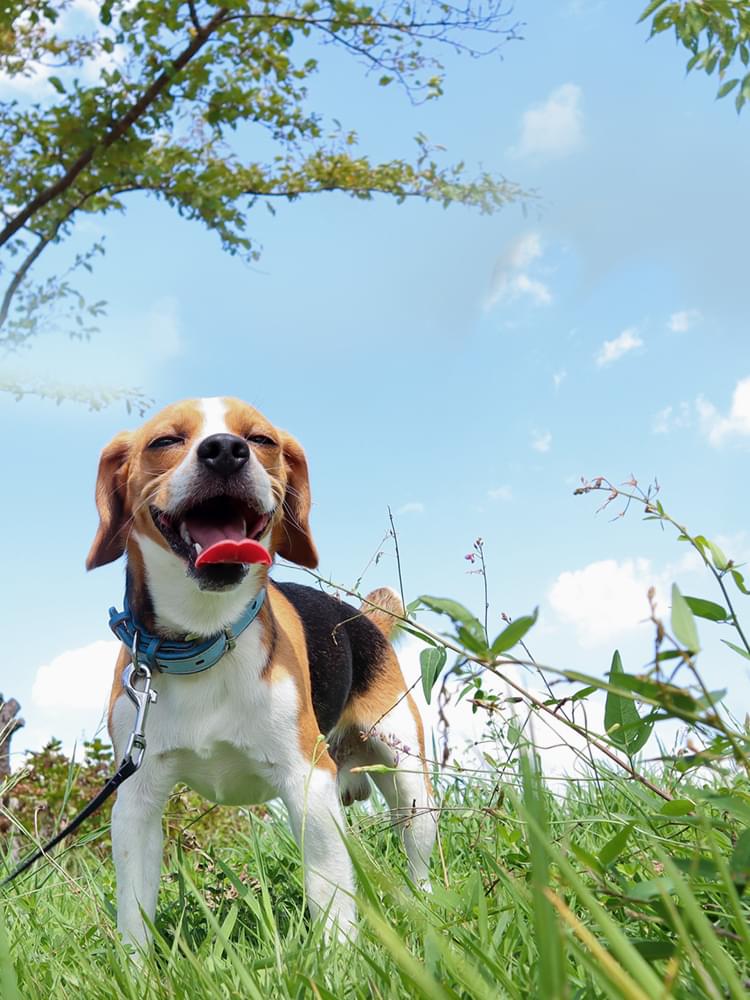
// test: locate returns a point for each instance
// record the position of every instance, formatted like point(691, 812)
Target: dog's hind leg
point(383, 726)
point(407, 791)
point(392, 734)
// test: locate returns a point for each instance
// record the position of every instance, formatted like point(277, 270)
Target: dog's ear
point(111, 482)
point(296, 543)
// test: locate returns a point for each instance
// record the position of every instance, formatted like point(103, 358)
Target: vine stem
point(518, 688)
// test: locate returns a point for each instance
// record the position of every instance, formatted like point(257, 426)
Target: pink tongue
point(230, 551)
point(208, 534)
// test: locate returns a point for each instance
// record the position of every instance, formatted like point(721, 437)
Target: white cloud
point(605, 600)
point(69, 696)
point(682, 321)
point(535, 289)
point(613, 350)
point(500, 493)
point(553, 128)
point(510, 278)
point(413, 507)
point(541, 441)
point(559, 377)
point(718, 428)
point(672, 418)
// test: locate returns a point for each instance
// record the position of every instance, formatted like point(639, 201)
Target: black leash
point(123, 772)
point(130, 763)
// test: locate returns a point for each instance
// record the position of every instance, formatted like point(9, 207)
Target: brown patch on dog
point(118, 688)
point(366, 711)
point(131, 477)
point(111, 502)
point(290, 660)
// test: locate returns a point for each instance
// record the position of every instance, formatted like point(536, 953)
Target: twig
point(398, 558)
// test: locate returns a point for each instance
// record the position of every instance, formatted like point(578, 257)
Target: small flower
point(470, 557)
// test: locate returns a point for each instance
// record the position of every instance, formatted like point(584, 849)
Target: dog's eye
point(261, 439)
point(167, 441)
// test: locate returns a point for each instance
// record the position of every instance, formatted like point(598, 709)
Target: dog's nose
point(223, 454)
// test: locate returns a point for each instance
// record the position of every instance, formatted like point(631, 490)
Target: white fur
point(234, 738)
point(178, 602)
point(183, 480)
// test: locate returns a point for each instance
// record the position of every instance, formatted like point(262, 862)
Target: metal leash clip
point(136, 746)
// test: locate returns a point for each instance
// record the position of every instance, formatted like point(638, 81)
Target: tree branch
point(21, 274)
point(44, 241)
point(118, 130)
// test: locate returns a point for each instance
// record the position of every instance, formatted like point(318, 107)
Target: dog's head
point(198, 472)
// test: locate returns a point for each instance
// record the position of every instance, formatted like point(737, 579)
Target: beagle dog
point(310, 690)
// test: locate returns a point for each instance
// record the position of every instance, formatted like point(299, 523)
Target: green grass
point(597, 894)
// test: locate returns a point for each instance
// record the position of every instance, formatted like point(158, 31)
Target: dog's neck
point(168, 601)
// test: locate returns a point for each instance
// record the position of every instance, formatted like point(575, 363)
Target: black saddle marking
point(344, 648)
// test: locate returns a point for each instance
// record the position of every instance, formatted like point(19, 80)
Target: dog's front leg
point(312, 801)
point(137, 843)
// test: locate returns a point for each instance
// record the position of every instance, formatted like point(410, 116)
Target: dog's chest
point(227, 732)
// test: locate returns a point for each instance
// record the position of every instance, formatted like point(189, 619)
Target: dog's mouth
point(220, 519)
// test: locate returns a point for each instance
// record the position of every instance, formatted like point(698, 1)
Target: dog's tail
point(380, 606)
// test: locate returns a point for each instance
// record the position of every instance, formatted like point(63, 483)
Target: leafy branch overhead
point(174, 99)
point(716, 33)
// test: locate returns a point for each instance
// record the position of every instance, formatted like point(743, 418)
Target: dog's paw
point(353, 787)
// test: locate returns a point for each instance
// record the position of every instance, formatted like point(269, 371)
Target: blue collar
point(172, 656)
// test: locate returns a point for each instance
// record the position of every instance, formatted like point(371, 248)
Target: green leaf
point(707, 609)
point(677, 807)
point(739, 863)
point(649, 888)
point(650, 8)
point(455, 611)
point(57, 84)
point(737, 649)
point(586, 858)
point(513, 633)
point(432, 661)
point(683, 623)
point(740, 582)
point(471, 642)
point(614, 847)
point(719, 559)
point(726, 88)
point(697, 866)
point(622, 721)
point(461, 617)
point(583, 693)
point(653, 949)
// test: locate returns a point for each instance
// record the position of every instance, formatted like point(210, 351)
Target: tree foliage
point(717, 35)
point(174, 99)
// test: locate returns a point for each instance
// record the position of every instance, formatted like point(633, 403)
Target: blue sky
point(464, 370)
